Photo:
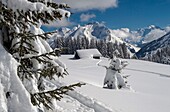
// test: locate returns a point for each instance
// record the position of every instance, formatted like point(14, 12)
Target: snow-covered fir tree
point(35, 64)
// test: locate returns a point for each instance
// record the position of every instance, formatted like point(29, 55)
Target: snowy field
point(149, 82)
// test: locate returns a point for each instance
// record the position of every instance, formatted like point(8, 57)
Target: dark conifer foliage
point(19, 40)
point(106, 48)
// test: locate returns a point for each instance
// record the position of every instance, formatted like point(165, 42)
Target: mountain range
point(137, 37)
point(134, 40)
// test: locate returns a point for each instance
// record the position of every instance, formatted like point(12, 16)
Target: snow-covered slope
point(157, 50)
point(148, 80)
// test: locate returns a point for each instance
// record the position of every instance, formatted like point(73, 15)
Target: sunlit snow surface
point(149, 81)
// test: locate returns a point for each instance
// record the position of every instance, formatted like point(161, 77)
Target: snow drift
point(13, 95)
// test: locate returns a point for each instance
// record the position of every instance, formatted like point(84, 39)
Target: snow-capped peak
point(152, 27)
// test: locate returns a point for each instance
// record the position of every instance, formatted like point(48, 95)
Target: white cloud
point(84, 5)
point(86, 17)
point(121, 33)
point(167, 29)
point(59, 23)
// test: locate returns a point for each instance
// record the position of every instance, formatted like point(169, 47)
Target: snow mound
point(13, 95)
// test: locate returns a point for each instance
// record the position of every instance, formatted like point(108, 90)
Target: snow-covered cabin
point(87, 53)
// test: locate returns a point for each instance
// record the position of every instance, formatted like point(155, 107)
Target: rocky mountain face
point(157, 50)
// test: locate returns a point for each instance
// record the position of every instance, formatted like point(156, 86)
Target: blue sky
point(115, 14)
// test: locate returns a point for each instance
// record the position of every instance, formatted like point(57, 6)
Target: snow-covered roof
point(88, 53)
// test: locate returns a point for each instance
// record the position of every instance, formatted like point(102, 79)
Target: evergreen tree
point(60, 42)
point(78, 42)
point(87, 43)
point(70, 46)
point(102, 47)
point(93, 43)
point(22, 37)
point(110, 49)
point(75, 45)
point(83, 42)
point(125, 50)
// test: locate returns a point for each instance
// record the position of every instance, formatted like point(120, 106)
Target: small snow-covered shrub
point(114, 78)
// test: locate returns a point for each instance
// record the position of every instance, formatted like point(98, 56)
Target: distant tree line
point(107, 49)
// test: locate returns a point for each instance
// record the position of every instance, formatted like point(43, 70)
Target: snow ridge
point(90, 102)
point(87, 101)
